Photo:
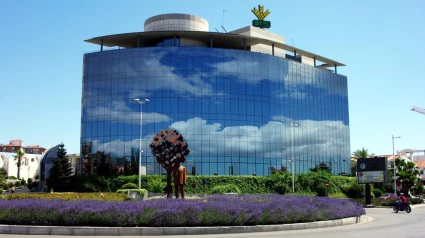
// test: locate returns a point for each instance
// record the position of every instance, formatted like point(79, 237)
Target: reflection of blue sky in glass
point(233, 107)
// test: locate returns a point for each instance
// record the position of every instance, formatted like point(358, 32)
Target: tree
point(407, 174)
point(18, 156)
point(169, 149)
point(353, 167)
point(363, 153)
point(322, 167)
point(61, 172)
point(3, 176)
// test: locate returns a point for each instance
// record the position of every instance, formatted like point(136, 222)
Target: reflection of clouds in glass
point(244, 141)
point(312, 78)
point(169, 78)
point(119, 148)
point(118, 110)
point(237, 68)
point(295, 93)
point(263, 139)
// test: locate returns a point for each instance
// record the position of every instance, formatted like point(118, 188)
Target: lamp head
point(141, 101)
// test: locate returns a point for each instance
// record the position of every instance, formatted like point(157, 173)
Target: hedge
point(308, 183)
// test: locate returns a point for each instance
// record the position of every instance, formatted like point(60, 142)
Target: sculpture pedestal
point(136, 196)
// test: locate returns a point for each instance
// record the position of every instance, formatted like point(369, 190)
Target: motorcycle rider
point(403, 201)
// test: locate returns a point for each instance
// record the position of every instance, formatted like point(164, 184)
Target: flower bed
point(212, 210)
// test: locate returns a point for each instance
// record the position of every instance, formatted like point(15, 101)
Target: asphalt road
point(381, 222)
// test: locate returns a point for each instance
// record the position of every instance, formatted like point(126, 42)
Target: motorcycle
point(398, 206)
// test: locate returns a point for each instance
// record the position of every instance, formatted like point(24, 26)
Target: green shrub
point(92, 183)
point(343, 183)
point(415, 200)
point(11, 177)
point(37, 176)
point(385, 187)
point(5, 187)
point(377, 192)
point(29, 186)
point(17, 183)
point(280, 182)
point(315, 182)
point(130, 186)
point(356, 191)
point(119, 181)
point(10, 184)
point(156, 185)
point(29, 180)
point(35, 184)
point(23, 182)
point(388, 202)
point(226, 188)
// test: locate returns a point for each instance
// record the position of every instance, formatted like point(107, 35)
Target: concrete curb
point(159, 231)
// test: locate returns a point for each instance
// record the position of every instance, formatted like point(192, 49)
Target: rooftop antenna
point(224, 29)
point(216, 30)
point(223, 17)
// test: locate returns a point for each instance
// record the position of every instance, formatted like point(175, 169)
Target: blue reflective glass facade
point(234, 108)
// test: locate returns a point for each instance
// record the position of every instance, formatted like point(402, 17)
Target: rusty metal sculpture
point(170, 150)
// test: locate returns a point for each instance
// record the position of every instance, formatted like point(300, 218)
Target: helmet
point(401, 194)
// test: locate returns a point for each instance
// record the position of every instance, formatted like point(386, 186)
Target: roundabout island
point(208, 214)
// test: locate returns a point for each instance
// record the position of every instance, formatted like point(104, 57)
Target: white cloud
point(118, 110)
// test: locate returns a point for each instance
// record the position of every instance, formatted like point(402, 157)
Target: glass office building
point(241, 111)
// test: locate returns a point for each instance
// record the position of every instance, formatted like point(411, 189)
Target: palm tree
point(18, 156)
point(358, 154)
point(363, 153)
point(407, 174)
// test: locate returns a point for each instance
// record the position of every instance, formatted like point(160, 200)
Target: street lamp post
point(395, 185)
point(292, 156)
point(141, 102)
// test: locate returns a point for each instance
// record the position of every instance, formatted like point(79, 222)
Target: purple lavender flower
point(211, 210)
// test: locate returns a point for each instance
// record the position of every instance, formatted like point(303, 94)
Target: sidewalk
point(19, 190)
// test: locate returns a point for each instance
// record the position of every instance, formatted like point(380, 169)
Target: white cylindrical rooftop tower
point(176, 22)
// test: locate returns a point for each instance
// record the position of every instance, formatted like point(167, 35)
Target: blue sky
point(381, 42)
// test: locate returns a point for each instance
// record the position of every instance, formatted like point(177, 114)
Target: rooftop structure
point(192, 30)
